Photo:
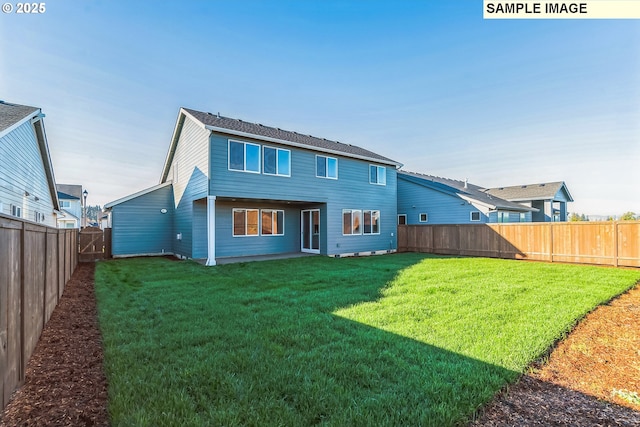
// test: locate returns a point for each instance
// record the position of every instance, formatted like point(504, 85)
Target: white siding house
point(27, 183)
point(70, 197)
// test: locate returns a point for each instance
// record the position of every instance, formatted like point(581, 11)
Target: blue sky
point(430, 84)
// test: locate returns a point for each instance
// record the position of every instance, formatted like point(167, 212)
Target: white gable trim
point(19, 123)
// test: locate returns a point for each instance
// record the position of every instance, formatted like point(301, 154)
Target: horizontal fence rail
point(614, 243)
point(36, 262)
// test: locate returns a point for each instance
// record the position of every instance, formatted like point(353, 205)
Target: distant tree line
point(93, 213)
point(627, 216)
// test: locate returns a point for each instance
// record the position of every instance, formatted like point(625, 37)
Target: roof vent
point(219, 114)
point(524, 186)
point(541, 185)
point(466, 183)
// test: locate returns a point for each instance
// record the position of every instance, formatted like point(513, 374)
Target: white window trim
point(405, 218)
point(364, 225)
point(259, 171)
point(326, 167)
point(16, 211)
point(378, 175)
point(233, 222)
point(277, 172)
point(420, 217)
point(272, 212)
point(471, 216)
point(361, 222)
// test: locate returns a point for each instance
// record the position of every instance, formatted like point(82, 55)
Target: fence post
point(21, 364)
point(615, 243)
point(550, 242)
point(44, 290)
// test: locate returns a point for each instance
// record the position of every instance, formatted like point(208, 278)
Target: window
point(424, 217)
point(244, 156)
point(503, 216)
point(326, 167)
point(402, 219)
point(351, 221)
point(371, 222)
point(245, 222)
point(38, 216)
point(276, 161)
point(16, 211)
point(475, 216)
point(65, 204)
point(272, 222)
point(377, 175)
point(523, 217)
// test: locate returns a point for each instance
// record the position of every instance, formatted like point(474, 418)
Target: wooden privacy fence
point(607, 243)
point(36, 262)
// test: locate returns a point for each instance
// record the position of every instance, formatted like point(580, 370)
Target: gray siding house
point(27, 183)
point(426, 199)
point(230, 188)
point(549, 199)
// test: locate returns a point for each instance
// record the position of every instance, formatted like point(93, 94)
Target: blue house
point(550, 199)
point(231, 188)
point(27, 184)
point(426, 199)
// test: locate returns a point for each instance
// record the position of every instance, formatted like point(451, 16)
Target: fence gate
point(91, 244)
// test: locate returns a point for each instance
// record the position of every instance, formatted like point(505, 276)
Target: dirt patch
point(64, 382)
point(592, 378)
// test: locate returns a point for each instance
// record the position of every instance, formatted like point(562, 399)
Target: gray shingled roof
point(11, 114)
point(259, 130)
point(455, 187)
point(541, 191)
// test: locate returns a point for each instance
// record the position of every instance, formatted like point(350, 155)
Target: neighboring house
point(104, 220)
point(70, 197)
point(230, 188)
point(426, 199)
point(27, 183)
point(549, 198)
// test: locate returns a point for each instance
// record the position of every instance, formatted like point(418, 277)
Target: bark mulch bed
point(584, 383)
point(592, 378)
point(64, 382)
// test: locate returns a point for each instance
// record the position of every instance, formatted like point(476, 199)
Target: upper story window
point(377, 175)
point(276, 161)
point(424, 217)
point(475, 216)
point(326, 167)
point(65, 204)
point(244, 156)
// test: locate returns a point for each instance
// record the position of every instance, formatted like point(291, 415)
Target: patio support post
point(211, 230)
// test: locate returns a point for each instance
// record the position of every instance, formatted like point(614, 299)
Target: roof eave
point(46, 157)
point(299, 145)
point(109, 205)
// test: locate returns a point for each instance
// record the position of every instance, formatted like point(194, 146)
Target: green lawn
point(403, 339)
